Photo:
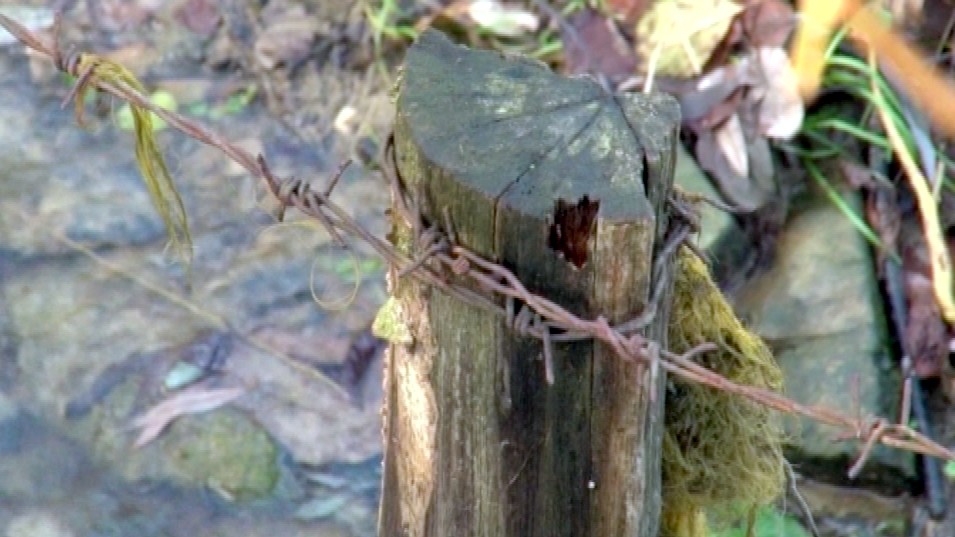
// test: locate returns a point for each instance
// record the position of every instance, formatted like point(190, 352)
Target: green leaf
point(949, 470)
point(390, 325)
point(124, 116)
point(769, 523)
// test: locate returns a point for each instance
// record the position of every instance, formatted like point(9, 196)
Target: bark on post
point(565, 185)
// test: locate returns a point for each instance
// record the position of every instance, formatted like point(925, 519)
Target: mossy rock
point(222, 449)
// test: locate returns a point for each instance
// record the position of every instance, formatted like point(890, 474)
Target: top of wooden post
point(514, 130)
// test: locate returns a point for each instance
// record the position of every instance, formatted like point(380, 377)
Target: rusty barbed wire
point(530, 314)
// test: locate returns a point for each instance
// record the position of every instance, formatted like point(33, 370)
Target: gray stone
point(100, 201)
point(819, 309)
point(37, 524)
point(96, 346)
point(720, 237)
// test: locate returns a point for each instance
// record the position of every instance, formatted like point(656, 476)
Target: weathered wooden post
point(565, 185)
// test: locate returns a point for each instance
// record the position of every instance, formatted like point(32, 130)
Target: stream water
point(100, 323)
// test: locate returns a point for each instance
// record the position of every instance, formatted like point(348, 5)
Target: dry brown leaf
point(818, 19)
point(857, 175)
point(453, 12)
point(120, 14)
point(928, 88)
point(717, 95)
point(628, 11)
point(506, 20)
point(592, 44)
point(732, 144)
point(781, 108)
point(677, 37)
point(768, 23)
point(926, 338)
point(200, 16)
point(926, 85)
point(189, 401)
point(715, 148)
point(287, 37)
point(721, 112)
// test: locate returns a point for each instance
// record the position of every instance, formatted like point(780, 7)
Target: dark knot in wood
point(572, 228)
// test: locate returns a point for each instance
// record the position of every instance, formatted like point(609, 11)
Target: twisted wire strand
point(493, 278)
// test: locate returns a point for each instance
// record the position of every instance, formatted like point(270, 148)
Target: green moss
point(720, 450)
point(389, 324)
point(224, 450)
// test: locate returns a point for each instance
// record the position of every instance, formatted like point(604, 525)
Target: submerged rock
point(222, 449)
point(225, 451)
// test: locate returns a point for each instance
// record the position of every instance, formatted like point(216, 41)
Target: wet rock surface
point(48, 483)
point(819, 309)
point(855, 511)
point(95, 315)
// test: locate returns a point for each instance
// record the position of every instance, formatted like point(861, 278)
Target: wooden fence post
point(565, 185)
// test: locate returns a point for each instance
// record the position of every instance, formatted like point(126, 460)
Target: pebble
point(37, 524)
point(8, 408)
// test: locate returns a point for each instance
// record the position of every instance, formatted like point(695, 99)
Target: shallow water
point(49, 483)
point(95, 316)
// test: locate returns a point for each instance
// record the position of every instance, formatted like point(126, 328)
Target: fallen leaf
point(768, 23)
point(882, 213)
point(857, 175)
point(677, 37)
point(628, 11)
point(116, 15)
point(716, 97)
point(732, 144)
point(506, 20)
point(189, 401)
point(725, 50)
point(593, 44)
point(322, 507)
point(818, 19)
point(287, 37)
point(454, 13)
point(781, 108)
point(746, 193)
point(926, 337)
point(200, 16)
point(722, 111)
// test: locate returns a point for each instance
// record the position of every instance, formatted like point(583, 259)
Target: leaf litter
point(193, 400)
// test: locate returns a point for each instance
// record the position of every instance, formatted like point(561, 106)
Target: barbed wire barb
point(501, 290)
